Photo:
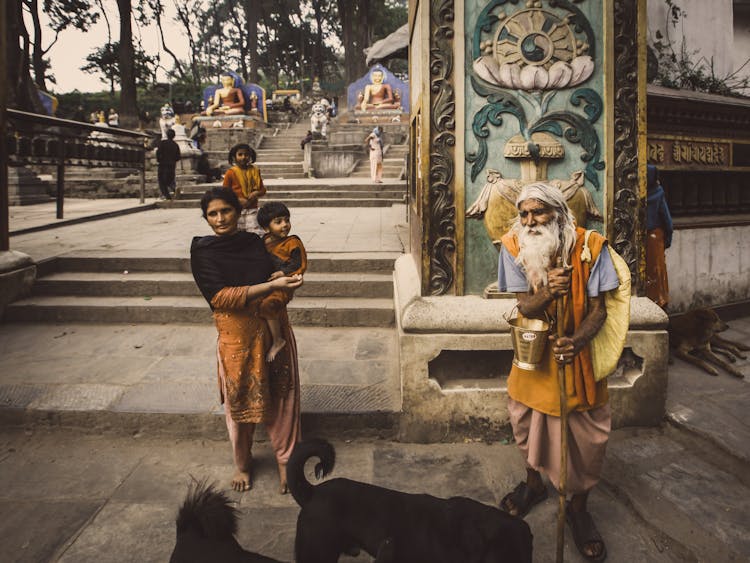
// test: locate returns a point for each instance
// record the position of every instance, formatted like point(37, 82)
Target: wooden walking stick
point(563, 485)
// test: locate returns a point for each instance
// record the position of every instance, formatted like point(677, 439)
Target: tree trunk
point(273, 50)
point(177, 65)
point(38, 52)
point(22, 93)
point(318, 45)
point(128, 93)
point(346, 10)
point(251, 21)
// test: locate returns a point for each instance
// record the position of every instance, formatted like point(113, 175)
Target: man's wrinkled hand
point(558, 281)
point(563, 349)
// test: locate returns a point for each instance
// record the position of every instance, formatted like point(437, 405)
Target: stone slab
point(126, 532)
point(32, 531)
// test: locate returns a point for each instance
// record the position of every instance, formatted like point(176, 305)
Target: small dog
point(206, 526)
point(693, 337)
point(344, 516)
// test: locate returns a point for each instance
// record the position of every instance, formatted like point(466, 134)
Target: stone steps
point(303, 311)
point(351, 290)
point(140, 284)
point(185, 203)
point(397, 188)
point(97, 261)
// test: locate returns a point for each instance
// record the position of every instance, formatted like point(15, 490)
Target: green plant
point(685, 69)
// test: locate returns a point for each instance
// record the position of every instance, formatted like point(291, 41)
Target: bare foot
point(276, 347)
point(283, 488)
point(242, 481)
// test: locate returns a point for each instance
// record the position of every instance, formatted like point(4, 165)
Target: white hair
point(552, 197)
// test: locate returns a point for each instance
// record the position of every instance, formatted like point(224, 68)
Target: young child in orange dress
point(244, 180)
point(288, 255)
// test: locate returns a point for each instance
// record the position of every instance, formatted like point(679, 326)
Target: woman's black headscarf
point(233, 260)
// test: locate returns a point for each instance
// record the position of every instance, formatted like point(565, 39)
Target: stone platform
point(456, 353)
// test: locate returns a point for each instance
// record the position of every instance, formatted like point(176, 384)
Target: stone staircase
point(280, 155)
point(280, 160)
point(343, 318)
point(350, 290)
point(393, 164)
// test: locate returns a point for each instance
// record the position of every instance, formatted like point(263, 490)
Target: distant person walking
point(658, 239)
point(167, 155)
point(244, 179)
point(374, 143)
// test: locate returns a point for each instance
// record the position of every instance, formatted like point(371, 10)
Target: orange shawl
point(282, 250)
point(538, 389)
point(244, 182)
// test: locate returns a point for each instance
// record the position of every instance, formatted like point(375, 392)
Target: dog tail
point(207, 512)
point(302, 490)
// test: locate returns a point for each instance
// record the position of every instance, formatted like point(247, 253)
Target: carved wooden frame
point(627, 230)
point(441, 225)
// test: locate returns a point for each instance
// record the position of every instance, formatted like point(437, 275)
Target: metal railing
point(33, 139)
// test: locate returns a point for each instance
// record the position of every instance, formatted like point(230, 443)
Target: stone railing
point(36, 140)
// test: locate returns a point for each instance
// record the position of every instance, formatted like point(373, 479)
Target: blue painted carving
point(485, 22)
point(580, 21)
point(580, 130)
point(247, 90)
point(499, 101)
point(357, 87)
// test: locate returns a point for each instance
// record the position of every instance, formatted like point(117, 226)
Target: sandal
point(584, 533)
point(523, 499)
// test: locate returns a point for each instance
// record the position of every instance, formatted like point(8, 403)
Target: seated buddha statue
point(227, 100)
point(378, 94)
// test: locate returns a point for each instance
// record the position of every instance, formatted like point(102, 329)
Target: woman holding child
point(235, 273)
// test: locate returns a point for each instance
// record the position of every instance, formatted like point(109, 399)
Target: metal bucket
point(529, 338)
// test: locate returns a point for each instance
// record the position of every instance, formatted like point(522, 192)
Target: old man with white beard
point(545, 230)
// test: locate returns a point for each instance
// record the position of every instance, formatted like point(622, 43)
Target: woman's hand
point(564, 349)
point(558, 281)
point(287, 282)
point(276, 275)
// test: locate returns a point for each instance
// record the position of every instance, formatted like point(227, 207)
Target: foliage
point(685, 69)
point(106, 61)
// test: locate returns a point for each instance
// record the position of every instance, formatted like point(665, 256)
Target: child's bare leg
point(278, 340)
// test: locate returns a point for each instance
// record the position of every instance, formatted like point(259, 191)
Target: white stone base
point(472, 334)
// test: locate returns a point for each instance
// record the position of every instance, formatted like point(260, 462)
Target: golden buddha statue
point(227, 100)
point(378, 94)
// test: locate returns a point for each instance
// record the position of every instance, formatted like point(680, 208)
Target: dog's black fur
point(206, 526)
point(694, 338)
point(344, 516)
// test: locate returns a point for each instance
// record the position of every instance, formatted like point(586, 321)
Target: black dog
point(344, 516)
point(206, 525)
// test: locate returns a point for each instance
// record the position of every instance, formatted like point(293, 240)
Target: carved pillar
point(629, 199)
point(441, 235)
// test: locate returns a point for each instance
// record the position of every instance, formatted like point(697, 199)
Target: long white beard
point(538, 245)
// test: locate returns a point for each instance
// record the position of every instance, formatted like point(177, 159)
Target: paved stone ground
point(68, 496)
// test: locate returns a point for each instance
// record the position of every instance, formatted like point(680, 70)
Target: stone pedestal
point(17, 275)
point(230, 121)
point(25, 187)
point(378, 116)
point(456, 352)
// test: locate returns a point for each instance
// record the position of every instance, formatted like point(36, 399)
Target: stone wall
point(223, 139)
point(708, 267)
point(332, 161)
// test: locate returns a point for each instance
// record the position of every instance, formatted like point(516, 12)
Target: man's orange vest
point(538, 389)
